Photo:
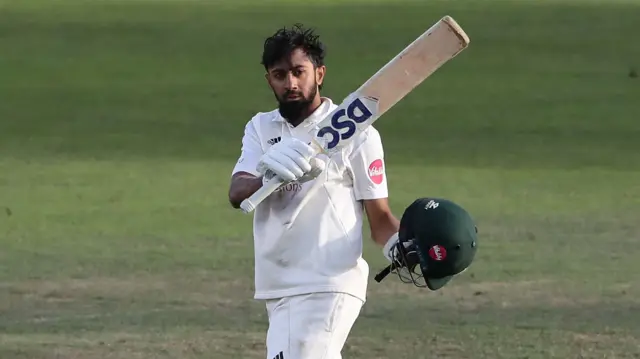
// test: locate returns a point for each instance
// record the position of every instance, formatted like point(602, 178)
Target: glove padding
point(291, 160)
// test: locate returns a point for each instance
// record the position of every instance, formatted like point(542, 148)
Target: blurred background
point(120, 122)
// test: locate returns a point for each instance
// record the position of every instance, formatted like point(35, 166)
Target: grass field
point(120, 122)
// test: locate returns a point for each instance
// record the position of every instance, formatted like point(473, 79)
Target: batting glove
point(391, 251)
point(317, 166)
point(289, 159)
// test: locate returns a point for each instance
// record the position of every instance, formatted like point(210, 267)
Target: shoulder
point(261, 117)
point(261, 120)
point(331, 106)
point(370, 134)
point(369, 138)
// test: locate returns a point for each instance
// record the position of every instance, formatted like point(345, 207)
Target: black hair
point(285, 41)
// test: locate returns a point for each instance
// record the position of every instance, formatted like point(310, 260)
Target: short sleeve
point(250, 152)
point(368, 168)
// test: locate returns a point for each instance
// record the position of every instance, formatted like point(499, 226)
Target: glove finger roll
point(293, 162)
point(280, 169)
point(305, 150)
point(297, 158)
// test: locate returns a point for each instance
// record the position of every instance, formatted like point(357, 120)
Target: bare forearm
point(382, 223)
point(243, 186)
point(383, 227)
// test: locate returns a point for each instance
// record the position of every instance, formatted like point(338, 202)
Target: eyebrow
point(277, 69)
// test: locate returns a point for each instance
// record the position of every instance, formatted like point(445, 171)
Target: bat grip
point(249, 204)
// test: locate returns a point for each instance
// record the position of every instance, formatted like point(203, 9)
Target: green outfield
point(120, 122)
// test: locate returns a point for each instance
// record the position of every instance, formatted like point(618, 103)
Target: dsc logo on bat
point(352, 112)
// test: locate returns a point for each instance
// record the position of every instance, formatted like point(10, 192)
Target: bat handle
point(249, 204)
point(383, 273)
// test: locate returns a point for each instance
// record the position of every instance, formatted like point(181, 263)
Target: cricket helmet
point(437, 240)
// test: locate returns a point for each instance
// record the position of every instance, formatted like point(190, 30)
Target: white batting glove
point(317, 167)
point(388, 251)
point(289, 159)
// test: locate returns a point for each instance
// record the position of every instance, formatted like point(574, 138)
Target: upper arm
point(250, 151)
point(245, 179)
point(370, 183)
point(368, 168)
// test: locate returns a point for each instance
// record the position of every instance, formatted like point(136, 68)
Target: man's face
point(295, 82)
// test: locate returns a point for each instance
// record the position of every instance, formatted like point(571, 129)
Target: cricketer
point(309, 268)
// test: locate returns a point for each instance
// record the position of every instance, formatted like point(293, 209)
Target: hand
point(317, 166)
point(409, 257)
point(389, 250)
point(290, 159)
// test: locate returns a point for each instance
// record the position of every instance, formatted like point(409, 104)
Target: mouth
point(293, 96)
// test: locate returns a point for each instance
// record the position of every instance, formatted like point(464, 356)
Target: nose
point(291, 82)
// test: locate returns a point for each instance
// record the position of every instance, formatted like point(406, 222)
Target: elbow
point(235, 202)
point(242, 186)
point(235, 199)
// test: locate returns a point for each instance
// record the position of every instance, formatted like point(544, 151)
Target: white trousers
point(310, 326)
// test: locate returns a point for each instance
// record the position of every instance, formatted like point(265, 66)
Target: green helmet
point(436, 241)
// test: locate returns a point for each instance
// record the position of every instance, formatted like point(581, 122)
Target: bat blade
point(415, 63)
point(391, 83)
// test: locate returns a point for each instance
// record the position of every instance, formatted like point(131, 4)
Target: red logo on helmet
point(438, 253)
point(376, 171)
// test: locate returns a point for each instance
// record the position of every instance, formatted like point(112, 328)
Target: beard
point(293, 110)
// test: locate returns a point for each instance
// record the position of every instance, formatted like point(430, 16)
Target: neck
point(317, 101)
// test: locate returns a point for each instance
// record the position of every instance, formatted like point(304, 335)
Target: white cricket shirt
point(322, 250)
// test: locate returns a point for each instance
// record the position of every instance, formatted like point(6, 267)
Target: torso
point(308, 237)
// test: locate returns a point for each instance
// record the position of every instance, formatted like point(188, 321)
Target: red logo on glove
point(438, 253)
point(376, 171)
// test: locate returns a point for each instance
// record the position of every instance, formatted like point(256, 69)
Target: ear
point(320, 72)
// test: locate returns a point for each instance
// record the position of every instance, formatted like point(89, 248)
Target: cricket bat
point(392, 82)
